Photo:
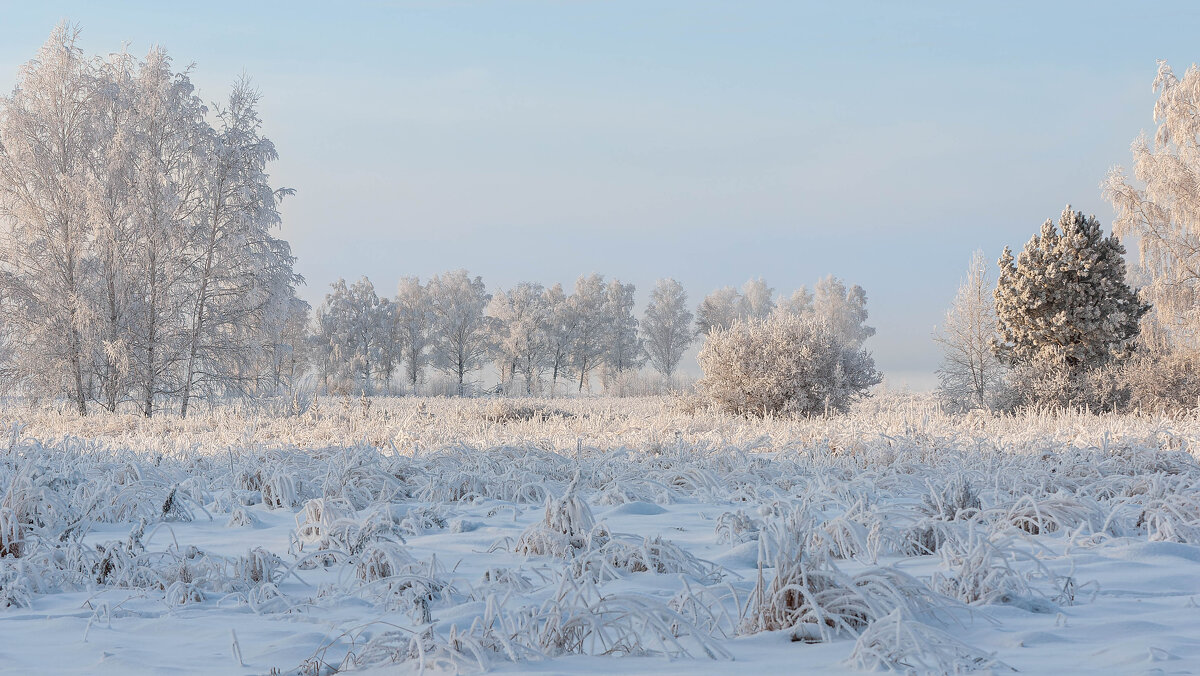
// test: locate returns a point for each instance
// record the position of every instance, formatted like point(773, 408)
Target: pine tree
point(1064, 300)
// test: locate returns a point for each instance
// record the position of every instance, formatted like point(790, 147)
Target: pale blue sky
point(710, 142)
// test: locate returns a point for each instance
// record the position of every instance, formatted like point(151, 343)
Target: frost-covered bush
point(1164, 382)
point(1052, 384)
point(783, 364)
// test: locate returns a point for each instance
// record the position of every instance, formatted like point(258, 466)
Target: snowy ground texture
point(598, 535)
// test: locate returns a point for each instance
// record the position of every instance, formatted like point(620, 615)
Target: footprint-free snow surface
point(600, 536)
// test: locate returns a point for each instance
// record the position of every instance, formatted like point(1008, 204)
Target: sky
point(710, 142)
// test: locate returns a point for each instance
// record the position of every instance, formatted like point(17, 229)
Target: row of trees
point(1062, 326)
point(137, 261)
point(451, 324)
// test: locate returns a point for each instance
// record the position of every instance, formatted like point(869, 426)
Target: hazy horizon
point(707, 142)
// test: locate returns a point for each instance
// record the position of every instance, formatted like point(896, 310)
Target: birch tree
point(587, 313)
point(48, 134)
point(169, 135)
point(1160, 207)
point(414, 318)
point(460, 337)
point(234, 258)
point(519, 336)
point(844, 309)
point(561, 327)
point(800, 303)
point(666, 326)
point(970, 373)
point(757, 300)
point(110, 205)
point(623, 350)
point(718, 310)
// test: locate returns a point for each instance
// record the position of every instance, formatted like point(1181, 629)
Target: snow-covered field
point(597, 535)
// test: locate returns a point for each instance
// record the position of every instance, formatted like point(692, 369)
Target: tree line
point(538, 336)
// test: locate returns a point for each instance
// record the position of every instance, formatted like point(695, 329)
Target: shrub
point(1054, 385)
point(1164, 383)
point(783, 364)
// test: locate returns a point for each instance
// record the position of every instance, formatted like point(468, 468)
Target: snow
point(1082, 549)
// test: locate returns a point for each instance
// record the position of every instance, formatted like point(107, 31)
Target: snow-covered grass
point(562, 534)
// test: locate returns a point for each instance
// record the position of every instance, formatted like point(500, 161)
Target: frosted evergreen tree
point(1064, 300)
point(667, 326)
point(459, 332)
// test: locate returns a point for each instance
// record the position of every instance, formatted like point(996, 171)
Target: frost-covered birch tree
point(459, 331)
point(357, 325)
point(1159, 206)
point(757, 300)
point(623, 351)
point(48, 141)
point(414, 320)
point(666, 326)
point(519, 338)
point(136, 261)
point(800, 303)
point(970, 373)
point(844, 309)
point(718, 310)
point(235, 260)
point(590, 326)
point(286, 353)
point(561, 326)
point(110, 205)
point(169, 136)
